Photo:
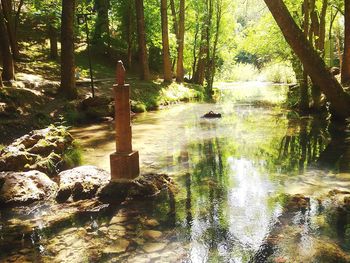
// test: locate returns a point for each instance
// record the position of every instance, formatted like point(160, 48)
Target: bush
point(278, 73)
point(238, 72)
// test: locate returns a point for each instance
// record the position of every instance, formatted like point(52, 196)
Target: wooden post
point(125, 161)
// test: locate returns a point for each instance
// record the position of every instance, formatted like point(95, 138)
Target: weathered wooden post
point(125, 161)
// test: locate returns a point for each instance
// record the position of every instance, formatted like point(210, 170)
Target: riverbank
point(32, 102)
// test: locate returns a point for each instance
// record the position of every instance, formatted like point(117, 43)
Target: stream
point(233, 176)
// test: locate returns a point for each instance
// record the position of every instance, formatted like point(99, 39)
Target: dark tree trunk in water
point(53, 42)
point(345, 71)
point(8, 72)
point(313, 63)
point(181, 39)
point(141, 35)
point(68, 88)
point(165, 40)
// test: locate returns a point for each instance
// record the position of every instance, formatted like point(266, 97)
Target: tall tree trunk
point(320, 35)
point(216, 41)
point(141, 35)
point(304, 85)
point(181, 39)
point(52, 31)
point(10, 25)
point(345, 71)
point(198, 77)
point(313, 63)
point(8, 72)
point(173, 13)
point(129, 31)
point(322, 38)
point(194, 50)
point(101, 37)
point(68, 88)
point(165, 40)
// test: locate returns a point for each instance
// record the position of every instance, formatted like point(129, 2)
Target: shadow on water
point(236, 178)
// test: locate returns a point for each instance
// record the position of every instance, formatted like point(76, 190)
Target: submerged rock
point(152, 234)
point(120, 246)
point(148, 185)
point(297, 202)
point(153, 247)
point(25, 187)
point(81, 183)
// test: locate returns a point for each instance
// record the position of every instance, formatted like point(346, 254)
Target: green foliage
point(72, 157)
point(278, 73)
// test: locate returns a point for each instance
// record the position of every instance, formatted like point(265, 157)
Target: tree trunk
point(101, 37)
point(128, 20)
point(313, 63)
point(10, 25)
point(68, 88)
point(181, 39)
point(322, 38)
point(173, 13)
point(165, 40)
point(53, 42)
point(8, 72)
point(345, 71)
point(141, 34)
point(304, 85)
point(198, 77)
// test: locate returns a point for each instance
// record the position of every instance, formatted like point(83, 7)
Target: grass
point(73, 156)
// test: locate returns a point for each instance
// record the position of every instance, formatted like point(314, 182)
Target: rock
point(16, 160)
point(25, 187)
point(153, 247)
point(82, 182)
point(120, 246)
point(116, 230)
point(212, 115)
point(330, 252)
point(39, 150)
point(152, 234)
point(97, 107)
point(151, 222)
point(118, 219)
point(148, 185)
point(297, 202)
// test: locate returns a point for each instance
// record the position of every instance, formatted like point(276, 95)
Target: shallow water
point(231, 174)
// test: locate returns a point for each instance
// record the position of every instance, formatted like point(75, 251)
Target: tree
point(101, 37)
point(8, 72)
point(312, 62)
point(141, 35)
point(10, 21)
point(68, 88)
point(165, 41)
point(181, 40)
point(345, 71)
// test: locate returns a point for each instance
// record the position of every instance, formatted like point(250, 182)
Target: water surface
point(232, 175)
